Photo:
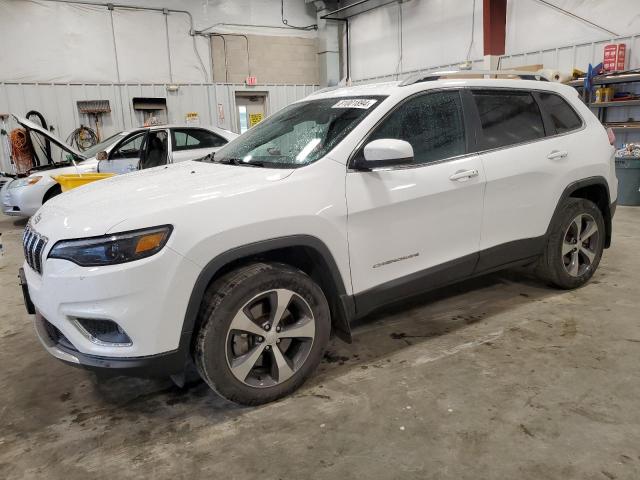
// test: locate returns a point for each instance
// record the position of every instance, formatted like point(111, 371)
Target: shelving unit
point(629, 125)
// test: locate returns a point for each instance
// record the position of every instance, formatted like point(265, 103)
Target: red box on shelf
point(614, 57)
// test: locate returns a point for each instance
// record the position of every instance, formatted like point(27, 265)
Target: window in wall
point(432, 123)
point(192, 138)
point(508, 117)
point(244, 124)
point(563, 117)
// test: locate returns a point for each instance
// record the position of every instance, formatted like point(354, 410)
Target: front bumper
point(21, 201)
point(146, 298)
point(149, 366)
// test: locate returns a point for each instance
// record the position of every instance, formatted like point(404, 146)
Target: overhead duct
point(354, 8)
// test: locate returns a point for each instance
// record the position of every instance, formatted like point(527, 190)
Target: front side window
point(192, 138)
point(129, 148)
point(298, 134)
point(432, 123)
point(563, 117)
point(507, 117)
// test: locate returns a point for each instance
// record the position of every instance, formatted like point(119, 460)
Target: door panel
point(156, 149)
point(523, 172)
point(405, 221)
point(124, 158)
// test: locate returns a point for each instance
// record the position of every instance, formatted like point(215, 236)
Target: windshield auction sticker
point(355, 103)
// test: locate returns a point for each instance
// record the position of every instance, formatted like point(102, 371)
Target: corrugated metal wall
point(57, 102)
point(564, 59)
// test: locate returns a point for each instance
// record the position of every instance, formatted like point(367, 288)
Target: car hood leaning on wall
point(98, 207)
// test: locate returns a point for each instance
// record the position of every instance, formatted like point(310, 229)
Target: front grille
point(33, 244)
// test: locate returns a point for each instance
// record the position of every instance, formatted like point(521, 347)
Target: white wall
point(434, 32)
point(43, 41)
point(437, 32)
point(533, 26)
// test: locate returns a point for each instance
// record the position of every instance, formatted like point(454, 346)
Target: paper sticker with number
point(355, 103)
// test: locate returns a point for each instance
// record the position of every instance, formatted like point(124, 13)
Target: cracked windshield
point(299, 134)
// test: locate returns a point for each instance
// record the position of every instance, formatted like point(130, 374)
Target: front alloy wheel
point(263, 330)
point(270, 338)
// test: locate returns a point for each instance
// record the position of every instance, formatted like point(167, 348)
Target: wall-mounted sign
point(255, 118)
point(251, 80)
point(220, 112)
point(192, 118)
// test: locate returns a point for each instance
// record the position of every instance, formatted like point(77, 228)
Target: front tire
point(575, 245)
point(264, 329)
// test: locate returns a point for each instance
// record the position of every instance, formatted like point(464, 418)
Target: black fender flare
point(577, 185)
point(342, 305)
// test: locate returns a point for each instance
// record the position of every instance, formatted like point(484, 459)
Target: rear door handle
point(463, 175)
point(557, 155)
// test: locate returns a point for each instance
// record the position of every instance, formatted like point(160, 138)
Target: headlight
point(23, 182)
point(113, 249)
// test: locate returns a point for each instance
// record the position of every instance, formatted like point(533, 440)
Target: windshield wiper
point(241, 162)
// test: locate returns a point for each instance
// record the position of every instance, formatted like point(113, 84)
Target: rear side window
point(192, 138)
point(563, 118)
point(432, 123)
point(507, 117)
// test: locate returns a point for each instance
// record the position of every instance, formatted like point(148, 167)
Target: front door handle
point(463, 175)
point(557, 155)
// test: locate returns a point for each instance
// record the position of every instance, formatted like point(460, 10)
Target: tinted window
point(563, 117)
point(432, 123)
point(508, 117)
point(129, 148)
point(191, 138)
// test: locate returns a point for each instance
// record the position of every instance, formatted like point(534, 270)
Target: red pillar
point(494, 21)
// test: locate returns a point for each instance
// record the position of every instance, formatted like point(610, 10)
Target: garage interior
point(496, 377)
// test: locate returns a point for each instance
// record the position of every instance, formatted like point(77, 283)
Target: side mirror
point(386, 152)
point(101, 155)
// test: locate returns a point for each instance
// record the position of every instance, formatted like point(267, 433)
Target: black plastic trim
point(31, 309)
point(587, 182)
point(494, 258)
point(363, 165)
point(414, 284)
point(343, 303)
point(160, 365)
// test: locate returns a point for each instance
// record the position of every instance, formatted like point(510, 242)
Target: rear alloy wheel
point(580, 245)
point(264, 328)
point(574, 246)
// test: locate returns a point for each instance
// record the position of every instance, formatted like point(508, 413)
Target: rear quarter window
point(561, 115)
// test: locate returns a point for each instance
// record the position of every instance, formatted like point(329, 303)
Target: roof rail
point(431, 76)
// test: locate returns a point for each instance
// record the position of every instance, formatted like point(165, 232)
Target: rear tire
point(574, 247)
point(264, 329)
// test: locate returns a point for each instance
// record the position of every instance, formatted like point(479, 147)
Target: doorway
point(250, 109)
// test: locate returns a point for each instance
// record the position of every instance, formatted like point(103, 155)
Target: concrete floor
point(497, 378)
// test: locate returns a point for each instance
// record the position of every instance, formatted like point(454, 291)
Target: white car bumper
point(22, 201)
point(147, 299)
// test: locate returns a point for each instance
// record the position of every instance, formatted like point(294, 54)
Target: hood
point(29, 125)
point(96, 208)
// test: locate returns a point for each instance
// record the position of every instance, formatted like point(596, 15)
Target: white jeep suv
point(332, 207)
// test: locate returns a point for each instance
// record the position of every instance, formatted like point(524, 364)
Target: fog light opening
point(105, 333)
